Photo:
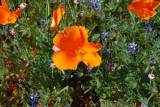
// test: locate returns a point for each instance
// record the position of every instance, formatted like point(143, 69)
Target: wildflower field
point(79, 53)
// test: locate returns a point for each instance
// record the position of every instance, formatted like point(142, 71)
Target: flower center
point(11, 17)
point(144, 12)
point(81, 52)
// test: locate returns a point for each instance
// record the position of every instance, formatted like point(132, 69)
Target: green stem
point(62, 90)
point(29, 24)
point(52, 73)
point(70, 8)
point(47, 17)
point(150, 96)
point(28, 55)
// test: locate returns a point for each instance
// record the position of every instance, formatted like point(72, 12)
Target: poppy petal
point(70, 39)
point(85, 32)
point(135, 6)
point(153, 13)
point(92, 47)
point(92, 59)
point(4, 14)
point(57, 39)
point(3, 2)
point(18, 12)
point(154, 5)
point(57, 16)
point(53, 25)
point(60, 13)
point(65, 60)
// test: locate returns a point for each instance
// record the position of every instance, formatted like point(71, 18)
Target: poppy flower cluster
point(144, 8)
point(74, 48)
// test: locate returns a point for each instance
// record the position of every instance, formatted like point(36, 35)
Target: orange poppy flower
point(6, 16)
point(74, 48)
point(144, 8)
point(34, 59)
point(57, 16)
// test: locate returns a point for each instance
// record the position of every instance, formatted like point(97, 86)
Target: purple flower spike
point(109, 66)
point(112, 82)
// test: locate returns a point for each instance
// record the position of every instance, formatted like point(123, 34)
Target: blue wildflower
point(84, 1)
point(90, 70)
point(95, 4)
point(35, 99)
point(42, 22)
point(144, 105)
point(153, 61)
point(67, 105)
point(107, 51)
point(115, 26)
point(77, 25)
point(132, 47)
point(104, 36)
point(5, 27)
point(109, 66)
point(149, 26)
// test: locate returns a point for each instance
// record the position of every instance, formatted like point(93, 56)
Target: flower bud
point(151, 76)
point(23, 6)
point(12, 32)
point(25, 63)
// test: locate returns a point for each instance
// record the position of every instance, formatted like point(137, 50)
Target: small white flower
point(151, 76)
point(76, 2)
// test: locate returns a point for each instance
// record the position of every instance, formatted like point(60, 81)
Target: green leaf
point(95, 38)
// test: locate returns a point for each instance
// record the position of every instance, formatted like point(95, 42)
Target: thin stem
point(150, 96)
point(29, 24)
point(70, 8)
point(47, 17)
